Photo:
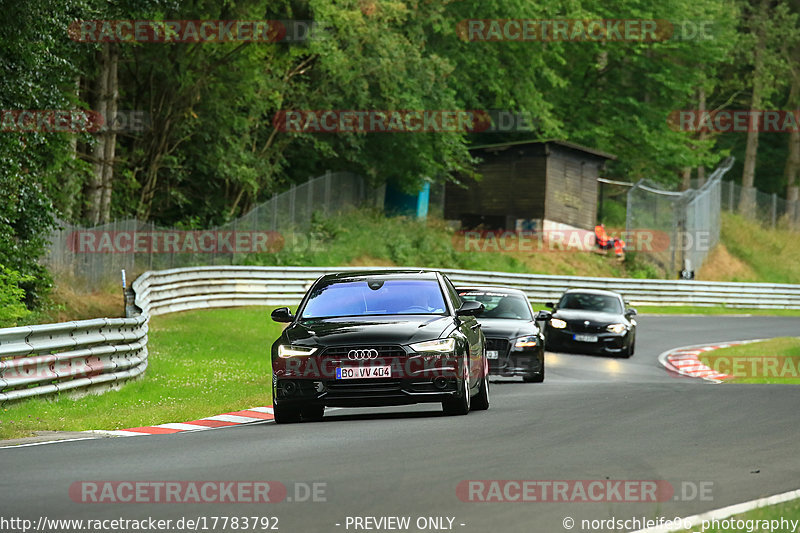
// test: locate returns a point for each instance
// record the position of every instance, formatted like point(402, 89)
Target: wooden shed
point(526, 184)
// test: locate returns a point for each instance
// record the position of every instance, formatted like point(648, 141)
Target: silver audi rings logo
point(362, 355)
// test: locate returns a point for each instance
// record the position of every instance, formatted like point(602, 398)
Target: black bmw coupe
point(379, 338)
point(514, 343)
point(590, 321)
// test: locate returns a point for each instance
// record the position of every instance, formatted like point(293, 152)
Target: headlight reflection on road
point(555, 360)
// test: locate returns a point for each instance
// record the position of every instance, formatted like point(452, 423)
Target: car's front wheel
point(461, 404)
point(481, 400)
point(630, 349)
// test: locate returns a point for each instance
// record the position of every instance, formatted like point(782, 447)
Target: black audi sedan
point(590, 321)
point(514, 343)
point(377, 338)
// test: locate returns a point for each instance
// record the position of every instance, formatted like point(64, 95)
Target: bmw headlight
point(529, 341)
point(558, 323)
point(438, 345)
point(286, 351)
point(616, 328)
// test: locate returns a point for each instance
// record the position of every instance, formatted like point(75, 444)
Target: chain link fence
point(676, 230)
point(95, 255)
point(768, 209)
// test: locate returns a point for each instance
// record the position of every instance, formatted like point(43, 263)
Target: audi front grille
point(363, 352)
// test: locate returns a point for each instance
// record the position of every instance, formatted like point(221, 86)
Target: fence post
point(310, 196)
point(233, 248)
point(327, 192)
point(292, 194)
point(774, 209)
point(274, 211)
point(731, 187)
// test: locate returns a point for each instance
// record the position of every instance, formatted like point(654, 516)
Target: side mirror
point(470, 308)
point(544, 316)
point(282, 314)
point(550, 305)
point(630, 312)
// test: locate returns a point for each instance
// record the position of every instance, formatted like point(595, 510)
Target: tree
point(770, 26)
point(38, 169)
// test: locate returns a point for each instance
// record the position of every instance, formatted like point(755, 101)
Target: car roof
point(502, 290)
point(594, 291)
point(382, 273)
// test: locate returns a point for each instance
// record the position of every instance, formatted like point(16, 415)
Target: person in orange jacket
point(601, 238)
point(619, 248)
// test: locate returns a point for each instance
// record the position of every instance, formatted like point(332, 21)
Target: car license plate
point(363, 372)
point(492, 354)
point(585, 338)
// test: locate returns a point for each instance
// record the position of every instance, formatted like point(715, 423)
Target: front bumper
point(413, 378)
point(509, 361)
point(364, 392)
point(516, 364)
point(607, 342)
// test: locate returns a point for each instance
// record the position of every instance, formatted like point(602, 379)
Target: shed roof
point(566, 144)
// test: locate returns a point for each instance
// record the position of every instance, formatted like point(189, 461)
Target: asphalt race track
point(594, 418)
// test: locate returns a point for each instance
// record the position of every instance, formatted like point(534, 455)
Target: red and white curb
point(685, 361)
point(246, 416)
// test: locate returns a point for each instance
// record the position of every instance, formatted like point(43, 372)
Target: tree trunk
point(686, 178)
point(701, 108)
point(73, 186)
point(747, 202)
point(94, 189)
point(791, 171)
point(110, 135)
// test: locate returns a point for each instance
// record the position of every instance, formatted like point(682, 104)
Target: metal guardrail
point(182, 289)
point(75, 357)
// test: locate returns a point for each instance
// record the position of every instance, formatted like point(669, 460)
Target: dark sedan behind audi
point(514, 343)
point(378, 338)
point(590, 321)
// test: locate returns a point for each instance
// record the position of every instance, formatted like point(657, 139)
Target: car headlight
point(285, 351)
point(616, 328)
point(558, 323)
point(439, 345)
point(529, 341)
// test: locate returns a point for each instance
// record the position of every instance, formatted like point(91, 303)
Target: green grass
point(772, 361)
point(787, 510)
point(772, 255)
point(365, 237)
point(201, 363)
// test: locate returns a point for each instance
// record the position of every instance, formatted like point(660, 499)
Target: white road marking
point(725, 512)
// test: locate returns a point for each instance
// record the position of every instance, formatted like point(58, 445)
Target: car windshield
point(590, 302)
point(375, 297)
point(499, 305)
